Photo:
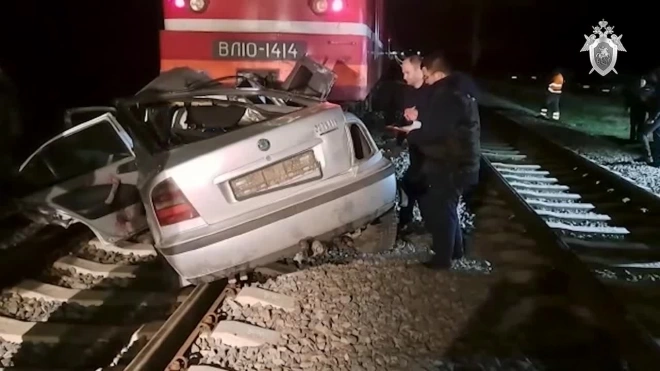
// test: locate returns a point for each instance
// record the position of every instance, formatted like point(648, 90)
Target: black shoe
point(412, 227)
point(404, 229)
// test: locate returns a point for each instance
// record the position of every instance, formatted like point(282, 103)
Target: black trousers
point(652, 148)
point(655, 147)
point(413, 188)
point(637, 119)
point(439, 209)
point(551, 107)
point(413, 184)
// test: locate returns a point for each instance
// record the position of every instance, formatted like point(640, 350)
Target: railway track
point(70, 302)
point(529, 301)
point(607, 220)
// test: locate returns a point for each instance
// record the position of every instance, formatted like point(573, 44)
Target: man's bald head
point(412, 71)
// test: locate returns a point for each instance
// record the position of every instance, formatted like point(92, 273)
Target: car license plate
point(259, 50)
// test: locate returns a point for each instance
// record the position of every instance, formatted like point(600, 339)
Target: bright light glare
point(337, 5)
point(179, 3)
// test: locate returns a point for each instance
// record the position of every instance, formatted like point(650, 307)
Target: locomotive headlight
point(198, 6)
point(319, 6)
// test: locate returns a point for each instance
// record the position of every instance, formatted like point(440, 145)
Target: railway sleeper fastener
point(181, 363)
point(209, 322)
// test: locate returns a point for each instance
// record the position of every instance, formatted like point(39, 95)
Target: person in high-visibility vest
point(551, 107)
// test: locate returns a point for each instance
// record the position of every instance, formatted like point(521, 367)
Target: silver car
point(226, 178)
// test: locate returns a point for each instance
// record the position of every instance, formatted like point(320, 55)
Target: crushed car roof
point(308, 79)
point(176, 80)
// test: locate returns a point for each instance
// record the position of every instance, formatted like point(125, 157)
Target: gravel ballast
point(367, 314)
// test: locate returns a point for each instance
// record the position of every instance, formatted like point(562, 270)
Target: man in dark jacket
point(414, 96)
point(635, 99)
point(652, 126)
point(447, 133)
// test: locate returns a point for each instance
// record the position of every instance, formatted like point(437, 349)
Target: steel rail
point(164, 347)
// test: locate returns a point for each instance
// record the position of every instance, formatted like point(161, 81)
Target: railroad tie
point(254, 295)
point(205, 368)
point(523, 171)
point(239, 334)
point(500, 165)
point(84, 266)
point(88, 298)
point(125, 248)
point(18, 332)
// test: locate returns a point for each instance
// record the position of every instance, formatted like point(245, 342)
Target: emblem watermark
point(603, 48)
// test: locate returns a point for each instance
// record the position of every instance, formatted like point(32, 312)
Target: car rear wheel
point(379, 235)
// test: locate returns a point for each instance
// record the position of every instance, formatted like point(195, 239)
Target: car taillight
point(170, 204)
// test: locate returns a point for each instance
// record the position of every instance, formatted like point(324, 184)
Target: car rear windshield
point(173, 124)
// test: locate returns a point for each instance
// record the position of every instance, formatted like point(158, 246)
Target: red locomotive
point(224, 38)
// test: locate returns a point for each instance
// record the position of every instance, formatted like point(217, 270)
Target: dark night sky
point(51, 48)
point(533, 36)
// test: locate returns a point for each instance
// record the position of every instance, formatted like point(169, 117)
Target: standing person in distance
point(447, 132)
point(636, 105)
point(651, 129)
point(414, 96)
point(637, 102)
point(552, 96)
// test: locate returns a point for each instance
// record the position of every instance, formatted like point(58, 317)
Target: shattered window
point(74, 155)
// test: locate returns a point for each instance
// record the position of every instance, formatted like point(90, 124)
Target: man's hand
point(396, 129)
point(403, 129)
point(410, 114)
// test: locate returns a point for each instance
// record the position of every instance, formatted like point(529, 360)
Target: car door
point(87, 174)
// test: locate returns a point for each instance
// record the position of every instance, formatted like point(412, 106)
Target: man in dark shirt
point(652, 126)
point(635, 100)
point(414, 96)
point(447, 134)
